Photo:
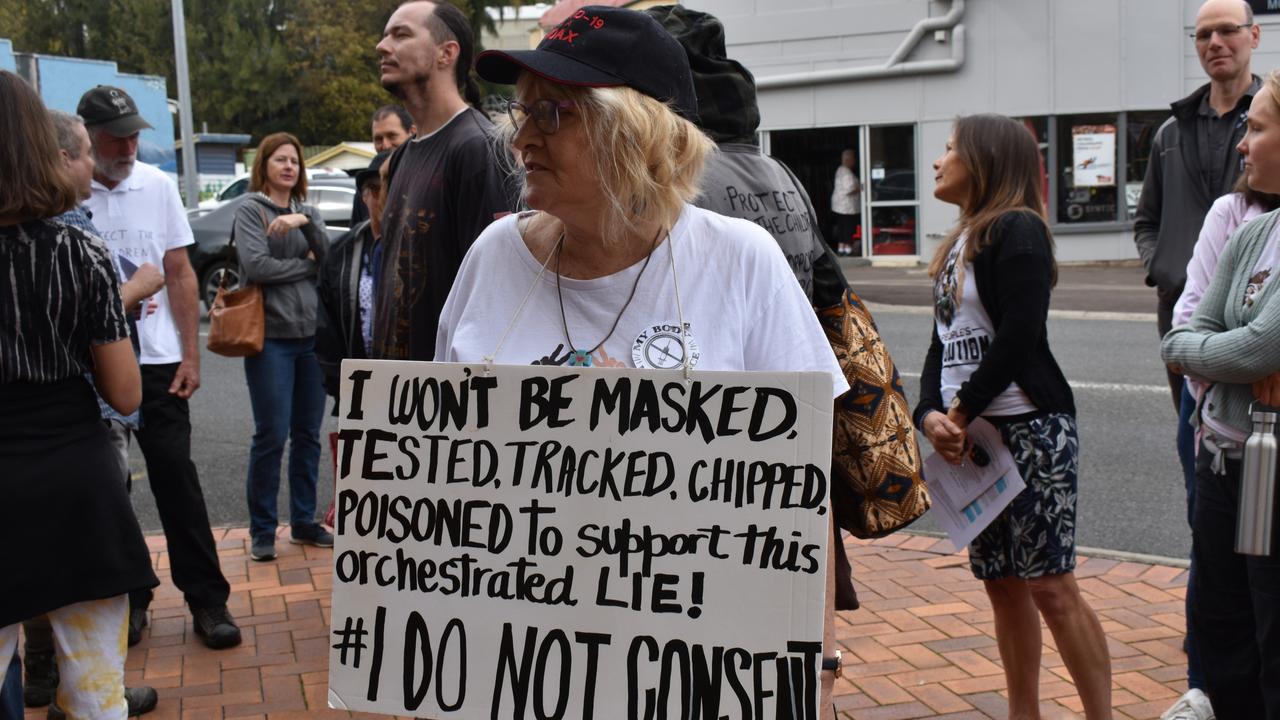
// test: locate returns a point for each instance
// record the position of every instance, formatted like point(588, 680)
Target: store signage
point(1094, 155)
point(1265, 6)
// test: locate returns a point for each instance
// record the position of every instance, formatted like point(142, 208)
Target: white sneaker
point(1194, 705)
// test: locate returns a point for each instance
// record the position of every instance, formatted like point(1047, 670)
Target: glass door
point(816, 155)
point(890, 200)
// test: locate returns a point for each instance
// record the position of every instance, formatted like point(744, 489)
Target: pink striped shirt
point(1228, 213)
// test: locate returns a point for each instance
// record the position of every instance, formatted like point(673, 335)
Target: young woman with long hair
point(74, 550)
point(989, 357)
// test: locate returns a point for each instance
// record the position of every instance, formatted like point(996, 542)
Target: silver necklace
point(577, 356)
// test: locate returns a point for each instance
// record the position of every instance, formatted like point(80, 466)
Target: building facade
point(1092, 79)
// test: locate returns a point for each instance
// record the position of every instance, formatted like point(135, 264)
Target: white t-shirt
point(141, 219)
point(845, 195)
point(966, 332)
point(742, 305)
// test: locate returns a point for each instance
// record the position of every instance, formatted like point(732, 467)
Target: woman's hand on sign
point(945, 436)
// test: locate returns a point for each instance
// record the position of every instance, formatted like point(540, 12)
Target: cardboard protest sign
point(536, 542)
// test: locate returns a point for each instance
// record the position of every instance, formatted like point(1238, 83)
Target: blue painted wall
point(6, 56)
point(63, 80)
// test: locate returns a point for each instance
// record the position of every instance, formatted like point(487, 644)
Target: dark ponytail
point(447, 22)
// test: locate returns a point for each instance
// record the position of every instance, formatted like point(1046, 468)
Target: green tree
point(257, 66)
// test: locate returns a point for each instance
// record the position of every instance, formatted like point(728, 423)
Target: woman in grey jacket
point(1230, 344)
point(282, 243)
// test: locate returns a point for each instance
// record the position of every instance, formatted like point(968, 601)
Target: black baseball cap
point(111, 109)
point(602, 46)
point(371, 172)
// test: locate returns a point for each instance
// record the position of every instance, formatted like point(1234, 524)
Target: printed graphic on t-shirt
point(659, 347)
point(964, 346)
point(784, 214)
point(1256, 281)
point(564, 355)
point(946, 288)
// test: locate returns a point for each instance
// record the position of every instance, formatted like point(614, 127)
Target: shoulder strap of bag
point(231, 243)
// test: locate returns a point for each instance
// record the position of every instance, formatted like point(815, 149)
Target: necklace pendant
point(580, 358)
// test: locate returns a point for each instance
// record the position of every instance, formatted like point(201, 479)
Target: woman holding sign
point(990, 358)
point(614, 267)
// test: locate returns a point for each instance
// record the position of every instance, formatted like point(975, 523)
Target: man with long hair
point(445, 184)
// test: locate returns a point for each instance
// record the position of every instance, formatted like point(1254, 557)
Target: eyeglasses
point(1226, 32)
point(545, 113)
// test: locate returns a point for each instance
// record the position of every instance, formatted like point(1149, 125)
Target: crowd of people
point(557, 233)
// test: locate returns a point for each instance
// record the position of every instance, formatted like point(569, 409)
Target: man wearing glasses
point(444, 186)
point(1193, 162)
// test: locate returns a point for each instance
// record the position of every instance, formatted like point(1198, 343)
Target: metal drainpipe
point(894, 66)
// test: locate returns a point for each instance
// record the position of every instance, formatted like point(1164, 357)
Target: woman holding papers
point(990, 358)
point(614, 267)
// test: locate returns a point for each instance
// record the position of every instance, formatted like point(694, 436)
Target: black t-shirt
point(60, 296)
point(444, 190)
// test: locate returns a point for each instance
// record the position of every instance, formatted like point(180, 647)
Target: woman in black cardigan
point(990, 357)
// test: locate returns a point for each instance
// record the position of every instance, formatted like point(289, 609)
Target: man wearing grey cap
point(137, 209)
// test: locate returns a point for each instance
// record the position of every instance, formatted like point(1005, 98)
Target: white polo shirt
point(141, 219)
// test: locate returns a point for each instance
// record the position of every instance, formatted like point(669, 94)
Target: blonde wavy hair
point(648, 159)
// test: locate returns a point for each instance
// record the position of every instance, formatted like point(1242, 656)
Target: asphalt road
point(1131, 495)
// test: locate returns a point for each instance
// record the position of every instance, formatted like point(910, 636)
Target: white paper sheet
point(968, 496)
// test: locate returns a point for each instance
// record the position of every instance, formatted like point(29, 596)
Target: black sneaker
point(137, 621)
point(263, 550)
point(215, 627)
point(314, 535)
point(41, 682)
point(140, 700)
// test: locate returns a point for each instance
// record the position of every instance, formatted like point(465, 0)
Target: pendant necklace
point(577, 356)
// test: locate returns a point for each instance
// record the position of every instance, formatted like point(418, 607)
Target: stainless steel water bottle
point(1256, 515)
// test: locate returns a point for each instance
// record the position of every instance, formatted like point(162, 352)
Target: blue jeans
point(11, 691)
point(1187, 456)
point(288, 404)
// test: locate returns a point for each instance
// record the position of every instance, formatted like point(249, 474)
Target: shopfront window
point(894, 198)
point(1039, 129)
point(1139, 133)
point(813, 155)
point(1087, 157)
point(893, 163)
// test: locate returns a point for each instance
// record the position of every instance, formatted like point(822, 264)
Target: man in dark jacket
point(1194, 162)
point(1193, 155)
point(344, 323)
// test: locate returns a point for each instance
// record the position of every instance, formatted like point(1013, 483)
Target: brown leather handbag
point(237, 320)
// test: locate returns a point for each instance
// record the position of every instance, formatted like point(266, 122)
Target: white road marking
point(1056, 314)
point(1086, 385)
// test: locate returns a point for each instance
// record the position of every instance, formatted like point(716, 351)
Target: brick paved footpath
point(921, 646)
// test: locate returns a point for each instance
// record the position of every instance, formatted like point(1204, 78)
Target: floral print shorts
point(1036, 535)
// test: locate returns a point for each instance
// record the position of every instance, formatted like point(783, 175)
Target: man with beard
point(445, 184)
point(137, 209)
